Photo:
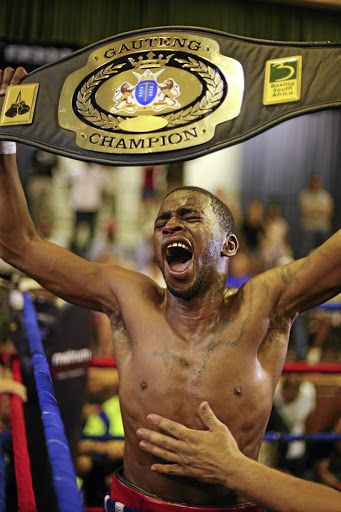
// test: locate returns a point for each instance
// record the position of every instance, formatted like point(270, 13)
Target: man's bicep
point(310, 281)
point(66, 275)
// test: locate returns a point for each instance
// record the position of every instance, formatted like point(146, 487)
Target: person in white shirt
point(316, 210)
point(294, 401)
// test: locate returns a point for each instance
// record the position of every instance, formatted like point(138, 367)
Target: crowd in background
point(265, 242)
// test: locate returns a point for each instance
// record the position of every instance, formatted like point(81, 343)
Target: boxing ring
point(63, 473)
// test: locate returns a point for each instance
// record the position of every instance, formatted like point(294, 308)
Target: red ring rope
point(26, 499)
point(309, 368)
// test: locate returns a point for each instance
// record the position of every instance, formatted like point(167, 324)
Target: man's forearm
point(16, 225)
point(280, 492)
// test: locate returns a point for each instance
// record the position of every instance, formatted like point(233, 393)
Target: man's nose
point(173, 225)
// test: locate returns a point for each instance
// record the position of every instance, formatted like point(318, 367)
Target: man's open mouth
point(178, 256)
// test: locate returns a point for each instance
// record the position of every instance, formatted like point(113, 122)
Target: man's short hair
point(220, 209)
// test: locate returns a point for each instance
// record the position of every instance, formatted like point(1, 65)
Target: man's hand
point(10, 77)
point(199, 454)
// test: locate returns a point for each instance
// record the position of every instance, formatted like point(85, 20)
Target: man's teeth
point(178, 244)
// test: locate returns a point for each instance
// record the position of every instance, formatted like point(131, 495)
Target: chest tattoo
point(167, 356)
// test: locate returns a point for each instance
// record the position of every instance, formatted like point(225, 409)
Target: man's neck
point(195, 316)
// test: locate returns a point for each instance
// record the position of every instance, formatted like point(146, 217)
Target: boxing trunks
point(127, 498)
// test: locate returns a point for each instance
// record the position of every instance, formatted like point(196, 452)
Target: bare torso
point(234, 365)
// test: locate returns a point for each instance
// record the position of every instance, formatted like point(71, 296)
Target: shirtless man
point(195, 340)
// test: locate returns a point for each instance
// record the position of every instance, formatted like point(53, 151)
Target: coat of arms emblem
point(147, 92)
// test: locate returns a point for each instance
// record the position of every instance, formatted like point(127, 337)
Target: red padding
point(103, 362)
point(26, 499)
point(309, 368)
point(131, 497)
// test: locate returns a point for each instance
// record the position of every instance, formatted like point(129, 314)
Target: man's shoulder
point(128, 284)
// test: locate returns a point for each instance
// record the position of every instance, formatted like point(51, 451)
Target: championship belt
point(166, 94)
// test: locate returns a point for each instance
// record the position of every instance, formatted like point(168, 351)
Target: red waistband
point(123, 493)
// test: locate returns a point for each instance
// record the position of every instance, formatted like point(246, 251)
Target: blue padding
point(4, 437)
point(63, 474)
point(323, 436)
point(105, 437)
point(333, 306)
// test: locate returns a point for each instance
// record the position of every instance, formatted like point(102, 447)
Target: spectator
point(252, 232)
point(324, 326)
point(316, 209)
point(294, 401)
point(98, 458)
point(40, 187)
point(104, 247)
point(275, 242)
point(86, 184)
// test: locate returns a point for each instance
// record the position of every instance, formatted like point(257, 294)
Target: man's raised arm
point(63, 273)
point(310, 281)
point(55, 268)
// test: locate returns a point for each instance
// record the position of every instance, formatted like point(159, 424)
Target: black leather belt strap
point(167, 94)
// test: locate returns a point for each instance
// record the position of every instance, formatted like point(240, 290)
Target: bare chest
point(223, 363)
point(153, 341)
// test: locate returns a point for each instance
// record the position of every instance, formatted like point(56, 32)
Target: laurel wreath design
point(215, 86)
point(211, 98)
point(85, 106)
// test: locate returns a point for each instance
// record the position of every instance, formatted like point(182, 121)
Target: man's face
point(188, 243)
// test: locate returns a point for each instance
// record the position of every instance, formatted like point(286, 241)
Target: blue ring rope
point(324, 436)
point(63, 474)
point(268, 436)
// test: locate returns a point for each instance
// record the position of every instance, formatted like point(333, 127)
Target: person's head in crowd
point(290, 389)
point(274, 210)
point(315, 182)
point(254, 213)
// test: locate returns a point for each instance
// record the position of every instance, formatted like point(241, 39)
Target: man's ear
point(230, 246)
